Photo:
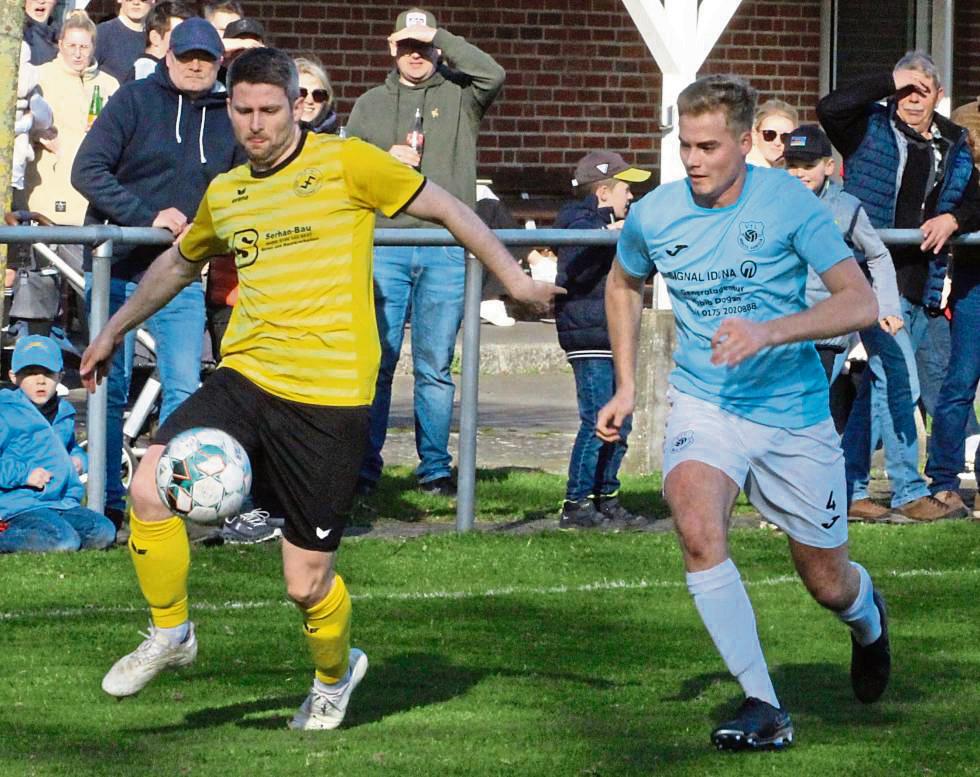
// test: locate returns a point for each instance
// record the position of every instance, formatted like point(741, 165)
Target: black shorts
point(305, 458)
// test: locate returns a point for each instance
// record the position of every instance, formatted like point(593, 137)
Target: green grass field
point(547, 654)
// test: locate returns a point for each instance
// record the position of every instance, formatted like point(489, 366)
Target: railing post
point(469, 391)
point(98, 402)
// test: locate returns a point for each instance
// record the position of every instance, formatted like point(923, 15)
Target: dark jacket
point(881, 152)
point(327, 123)
point(28, 441)
point(117, 47)
point(580, 315)
point(150, 149)
point(452, 102)
point(42, 39)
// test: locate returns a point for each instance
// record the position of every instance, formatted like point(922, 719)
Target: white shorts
point(793, 477)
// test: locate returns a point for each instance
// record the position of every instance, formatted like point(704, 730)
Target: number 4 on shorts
point(831, 506)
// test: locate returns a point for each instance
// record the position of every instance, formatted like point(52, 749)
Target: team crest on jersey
point(245, 243)
point(682, 441)
point(751, 235)
point(308, 182)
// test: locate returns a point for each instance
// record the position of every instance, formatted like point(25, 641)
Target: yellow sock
point(327, 630)
point(162, 556)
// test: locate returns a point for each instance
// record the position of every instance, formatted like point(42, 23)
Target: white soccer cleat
point(326, 709)
point(131, 673)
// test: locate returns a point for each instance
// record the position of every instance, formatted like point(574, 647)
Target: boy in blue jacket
point(40, 491)
point(591, 495)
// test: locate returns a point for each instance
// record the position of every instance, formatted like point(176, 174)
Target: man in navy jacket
point(147, 161)
point(911, 168)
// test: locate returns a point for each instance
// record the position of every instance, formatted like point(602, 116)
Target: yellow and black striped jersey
point(302, 233)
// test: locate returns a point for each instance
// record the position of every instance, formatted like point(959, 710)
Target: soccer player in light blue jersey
point(748, 395)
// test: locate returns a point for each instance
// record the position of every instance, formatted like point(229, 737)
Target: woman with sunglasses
point(317, 94)
point(773, 119)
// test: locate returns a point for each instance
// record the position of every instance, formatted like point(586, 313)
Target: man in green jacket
point(427, 115)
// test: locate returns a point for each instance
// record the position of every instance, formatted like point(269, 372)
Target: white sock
point(322, 687)
point(727, 613)
point(863, 616)
point(176, 634)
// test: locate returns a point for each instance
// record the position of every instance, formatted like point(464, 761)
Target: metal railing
point(104, 237)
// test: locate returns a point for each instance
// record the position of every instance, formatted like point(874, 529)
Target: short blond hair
point(732, 95)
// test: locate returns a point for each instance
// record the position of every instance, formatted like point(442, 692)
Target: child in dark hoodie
point(591, 495)
point(40, 491)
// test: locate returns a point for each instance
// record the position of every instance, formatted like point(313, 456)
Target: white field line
point(490, 593)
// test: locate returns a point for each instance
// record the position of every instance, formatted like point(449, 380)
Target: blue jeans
point(424, 283)
point(594, 467)
point(44, 529)
point(954, 407)
point(178, 329)
point(884, 411)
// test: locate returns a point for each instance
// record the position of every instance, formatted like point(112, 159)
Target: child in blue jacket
point(592, 493)
point(40, 489)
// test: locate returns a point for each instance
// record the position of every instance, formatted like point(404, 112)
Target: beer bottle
point(94, 107)
point(416, 138)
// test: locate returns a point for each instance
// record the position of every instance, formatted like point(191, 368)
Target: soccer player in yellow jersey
point(300, 359)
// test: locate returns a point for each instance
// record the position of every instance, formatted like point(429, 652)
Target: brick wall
point(776, 45)
point(579, 75)
point(966, 53)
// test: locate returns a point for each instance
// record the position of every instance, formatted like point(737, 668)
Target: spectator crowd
point(125, 122)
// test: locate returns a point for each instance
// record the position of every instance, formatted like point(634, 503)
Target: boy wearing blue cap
point(40, 491)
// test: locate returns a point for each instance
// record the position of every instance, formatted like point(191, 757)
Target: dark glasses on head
point(769, 135)
point(319, 95)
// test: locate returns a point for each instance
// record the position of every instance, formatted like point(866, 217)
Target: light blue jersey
point(748, 260)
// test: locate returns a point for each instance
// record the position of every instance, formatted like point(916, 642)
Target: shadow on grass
point(397, 684)
point(514, 496)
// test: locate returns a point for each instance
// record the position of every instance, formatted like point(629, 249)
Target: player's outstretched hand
point(537, 294)
point(611, 417)
point(96, 360)
point(736, 340)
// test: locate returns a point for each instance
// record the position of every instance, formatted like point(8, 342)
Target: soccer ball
point(203, 475)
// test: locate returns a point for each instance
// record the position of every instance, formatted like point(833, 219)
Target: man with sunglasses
point(425, 282)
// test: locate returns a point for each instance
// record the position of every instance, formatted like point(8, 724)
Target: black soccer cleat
point(871, 665)
point(756, 726)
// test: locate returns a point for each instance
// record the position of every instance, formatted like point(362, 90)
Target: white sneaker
point(131, 673)
point(326, 709)
point(494, 312)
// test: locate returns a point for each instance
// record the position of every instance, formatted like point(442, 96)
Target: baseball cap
point(245, 28)
point(807, 143)
point(196, 35)
point(37, 351)
point(413, 17)
point(600, 165)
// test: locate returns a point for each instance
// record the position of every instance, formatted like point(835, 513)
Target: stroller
point(46, 295)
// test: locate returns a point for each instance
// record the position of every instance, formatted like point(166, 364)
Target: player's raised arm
point(434, 203)
point(166, 276)
point(850, 307)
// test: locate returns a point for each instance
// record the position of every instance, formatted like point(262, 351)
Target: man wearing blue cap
point(40, 491)
point(146, 162)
